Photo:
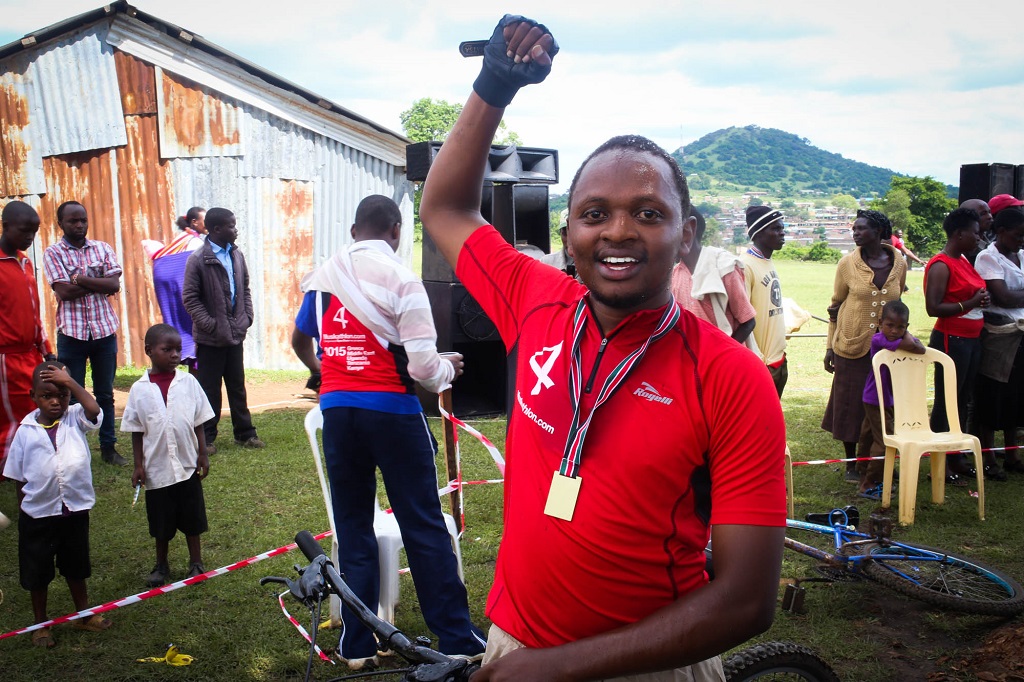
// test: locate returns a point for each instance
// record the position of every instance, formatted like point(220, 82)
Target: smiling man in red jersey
point(637, 431)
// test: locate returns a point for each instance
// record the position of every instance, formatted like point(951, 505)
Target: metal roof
point(35, 38)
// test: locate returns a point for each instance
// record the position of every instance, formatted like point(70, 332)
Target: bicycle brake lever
point(311, 585)
point(273, 579)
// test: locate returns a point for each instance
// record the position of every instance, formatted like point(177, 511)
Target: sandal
point(874, 493)
point(95, 623)
point(43, 638)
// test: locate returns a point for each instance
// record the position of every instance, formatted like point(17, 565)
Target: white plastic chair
point(385, 527)
point(912, 436)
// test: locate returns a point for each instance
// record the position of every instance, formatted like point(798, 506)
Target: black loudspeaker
point(458, 318)
point(520, 212)
point(1018, 184)
point(504, 164)
point(515, 201)
point(985, 180)
point(482, 389)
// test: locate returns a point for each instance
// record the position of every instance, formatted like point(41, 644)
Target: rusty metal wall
point(21, 163)
point(146, 201)
point(194, 121)
point(347, 176)
point(293, 189)
point(136, 81)
point(74, 93)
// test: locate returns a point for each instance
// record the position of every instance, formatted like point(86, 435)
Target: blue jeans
point(102, 357)
point(356, 442)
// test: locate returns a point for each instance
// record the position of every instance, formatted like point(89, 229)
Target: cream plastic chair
point(385, 527)
point(912, 436)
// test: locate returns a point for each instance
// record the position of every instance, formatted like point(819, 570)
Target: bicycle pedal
point(793, 599)
point(836, 516)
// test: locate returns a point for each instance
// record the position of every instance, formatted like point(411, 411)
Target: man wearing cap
point(767, 234)
point(980, 206)
point(561, 259)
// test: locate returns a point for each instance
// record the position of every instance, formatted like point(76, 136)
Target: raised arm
point(450, 208)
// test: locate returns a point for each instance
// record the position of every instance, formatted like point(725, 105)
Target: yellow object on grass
point(172, 657)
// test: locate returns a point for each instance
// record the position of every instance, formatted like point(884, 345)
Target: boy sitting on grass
point(165, 413)
point(50, 461)
point(892, 335)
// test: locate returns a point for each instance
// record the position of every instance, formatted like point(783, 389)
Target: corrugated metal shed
point(21, 163)
point(139, 120)
point(194, 121)
point(74, 95)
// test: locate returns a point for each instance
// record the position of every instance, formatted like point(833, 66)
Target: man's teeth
point(617, 260)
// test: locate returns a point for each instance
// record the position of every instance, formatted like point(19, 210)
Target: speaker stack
point(985, 180)
point(515, 201)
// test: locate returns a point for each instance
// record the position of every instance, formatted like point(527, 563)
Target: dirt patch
point(1000, 658)
point(263, 396)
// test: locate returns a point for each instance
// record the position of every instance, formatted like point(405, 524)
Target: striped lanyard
point(571, 459)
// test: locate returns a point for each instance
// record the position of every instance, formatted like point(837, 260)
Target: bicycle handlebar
point(388, 635)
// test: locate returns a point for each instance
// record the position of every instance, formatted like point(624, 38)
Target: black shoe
point(211, 449)
point(159, 575)
point(195, 569)
point(253, 442)
point(111, 456)
point(994, 473)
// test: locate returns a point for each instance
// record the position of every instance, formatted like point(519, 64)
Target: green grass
point(257, 500)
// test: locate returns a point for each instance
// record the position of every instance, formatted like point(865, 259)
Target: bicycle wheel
point(777, 661)
point(952, 582)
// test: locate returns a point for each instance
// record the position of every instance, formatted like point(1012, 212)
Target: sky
point(919, 87)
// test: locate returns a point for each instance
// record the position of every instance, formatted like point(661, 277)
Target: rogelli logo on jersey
point(651, 395)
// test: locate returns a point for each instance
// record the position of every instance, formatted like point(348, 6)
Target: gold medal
point(562, 496)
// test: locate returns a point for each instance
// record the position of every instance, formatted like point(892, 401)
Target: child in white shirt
point(50, 461)
point(165, 413)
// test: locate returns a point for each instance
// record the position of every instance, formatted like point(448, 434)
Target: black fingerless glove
point(500, 76)
point(314, 381)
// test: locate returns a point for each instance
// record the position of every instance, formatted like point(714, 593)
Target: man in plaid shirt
point(84, 274)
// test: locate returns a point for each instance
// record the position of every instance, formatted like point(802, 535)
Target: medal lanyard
point(571, 459)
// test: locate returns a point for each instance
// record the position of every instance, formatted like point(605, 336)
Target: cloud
point(903, 85)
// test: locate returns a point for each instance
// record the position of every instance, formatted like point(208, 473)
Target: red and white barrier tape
point(302, 630)
point(157, 591)
point(927, 454)
point(499, 461)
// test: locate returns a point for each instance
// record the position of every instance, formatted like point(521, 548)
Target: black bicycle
point(320, 579)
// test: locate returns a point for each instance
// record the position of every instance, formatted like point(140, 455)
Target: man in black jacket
point(216, 295)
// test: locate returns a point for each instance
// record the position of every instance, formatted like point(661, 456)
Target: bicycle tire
point(956, 583)
point(777, 661)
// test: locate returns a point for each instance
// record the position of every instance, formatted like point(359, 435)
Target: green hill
point(770, 160)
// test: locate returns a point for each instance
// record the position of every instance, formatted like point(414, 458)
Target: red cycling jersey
point(694, 436)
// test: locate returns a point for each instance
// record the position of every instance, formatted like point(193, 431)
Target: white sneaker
point(367, 664)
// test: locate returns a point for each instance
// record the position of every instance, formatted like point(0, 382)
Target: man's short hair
point(17, 210)
point(640, 143)
point(701, 226)
point(60, 209)
point(159, 331)
point(216, 217)
point(376, 214)
point(959, 219)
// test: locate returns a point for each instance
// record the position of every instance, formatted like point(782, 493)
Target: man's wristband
point(74, 279)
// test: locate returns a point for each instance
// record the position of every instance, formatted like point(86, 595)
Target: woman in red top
point(955, 294)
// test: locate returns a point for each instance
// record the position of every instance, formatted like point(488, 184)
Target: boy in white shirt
point(165, 413)
point(50, 461)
